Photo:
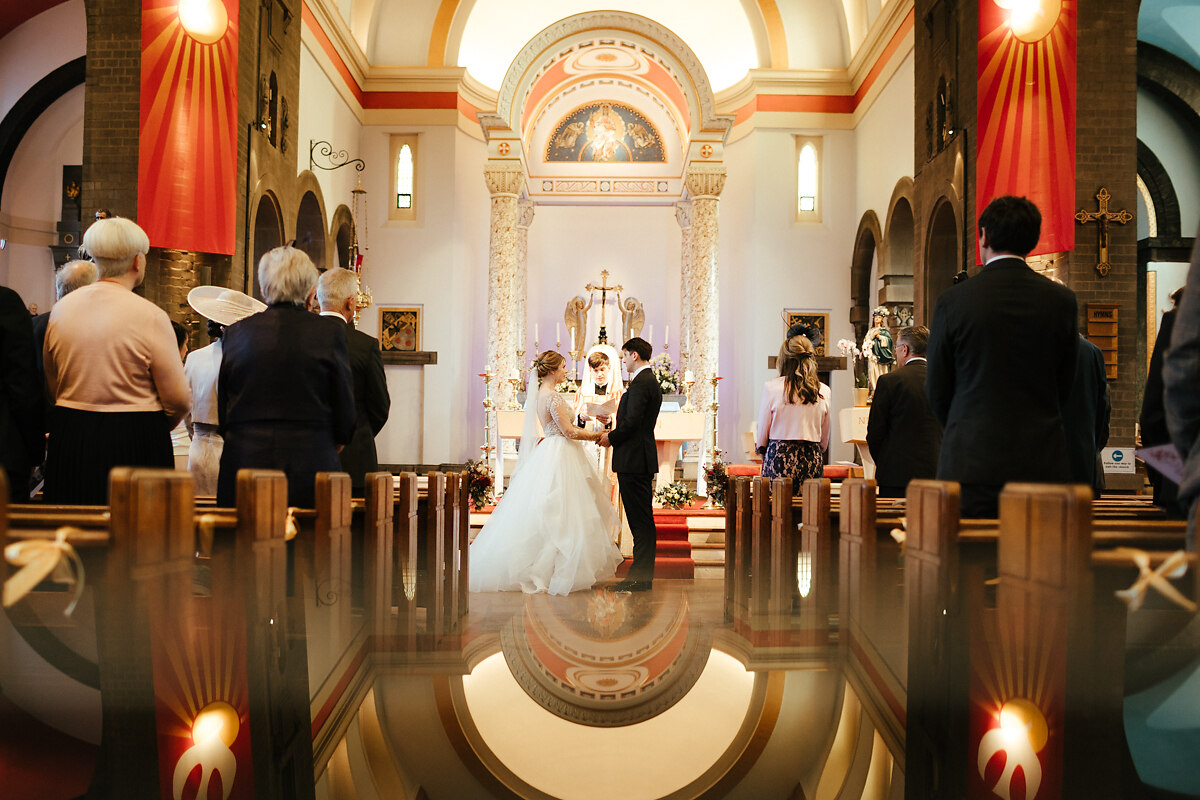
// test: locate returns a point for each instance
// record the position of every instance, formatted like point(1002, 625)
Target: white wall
point(37, 47)
point(31, 200)
point(883, 144)
point(1179, 153)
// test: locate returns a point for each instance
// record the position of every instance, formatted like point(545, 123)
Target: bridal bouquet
point(480, 482)
point(668, 380)
point(675, 495)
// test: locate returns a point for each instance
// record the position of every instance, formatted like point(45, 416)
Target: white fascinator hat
point(223, 306)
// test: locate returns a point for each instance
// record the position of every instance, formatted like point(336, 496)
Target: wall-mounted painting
point(814, 320)
point(400, 329)
point(605, 132)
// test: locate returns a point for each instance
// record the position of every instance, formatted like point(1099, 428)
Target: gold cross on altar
point(1104, 216)
point(604, 289)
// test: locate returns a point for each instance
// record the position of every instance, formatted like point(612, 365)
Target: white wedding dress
point(553, 530)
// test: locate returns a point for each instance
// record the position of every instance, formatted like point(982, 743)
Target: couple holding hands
point(555, 527)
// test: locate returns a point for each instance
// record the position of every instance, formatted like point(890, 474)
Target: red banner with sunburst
point(187, 153)
point(1026, 106)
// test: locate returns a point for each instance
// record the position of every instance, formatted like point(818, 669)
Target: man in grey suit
point(1001, 365)
point(337, 292)
point(902, 433)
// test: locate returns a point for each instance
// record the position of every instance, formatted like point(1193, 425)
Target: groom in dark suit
point(635, 460)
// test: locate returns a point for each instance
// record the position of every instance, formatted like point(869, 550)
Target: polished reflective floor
point(855, 669)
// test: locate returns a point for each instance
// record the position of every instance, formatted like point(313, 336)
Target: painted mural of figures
point(878, 347)
point(633, 317)
point(576, 319)
point(569, 135)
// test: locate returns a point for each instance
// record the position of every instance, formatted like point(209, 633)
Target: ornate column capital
point(524, 213)
point(704, 180)
point(504, 177)
point(683, 214)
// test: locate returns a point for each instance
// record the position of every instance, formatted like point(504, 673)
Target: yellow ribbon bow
point(1175, 566)
point(38, 559)
point(290, 527)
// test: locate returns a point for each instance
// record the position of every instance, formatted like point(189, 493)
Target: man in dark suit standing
point(1001, 365)
point(635, 460)
point(902, 433)
point(1086, 416)
point(22, 411)
point(337, 292)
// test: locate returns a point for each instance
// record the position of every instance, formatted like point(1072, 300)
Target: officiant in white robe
point(600, 391)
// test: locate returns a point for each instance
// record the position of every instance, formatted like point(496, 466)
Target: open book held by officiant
point(602, 409)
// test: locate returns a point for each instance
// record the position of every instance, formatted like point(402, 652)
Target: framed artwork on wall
point(813, 319)
point(400, 329)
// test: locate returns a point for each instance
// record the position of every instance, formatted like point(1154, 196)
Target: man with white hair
point(69, 277)
point(337, 292)
point(284, 396)
point(113, 372)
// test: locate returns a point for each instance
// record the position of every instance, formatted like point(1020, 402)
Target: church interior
point(513, 178)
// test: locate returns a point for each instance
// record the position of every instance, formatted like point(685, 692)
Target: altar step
point(673, 556)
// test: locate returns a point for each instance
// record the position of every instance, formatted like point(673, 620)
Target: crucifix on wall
point(1102, 218)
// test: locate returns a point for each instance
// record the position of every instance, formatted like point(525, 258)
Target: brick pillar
point(111, 106)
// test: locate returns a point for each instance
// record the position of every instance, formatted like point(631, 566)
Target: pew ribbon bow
point(41, 558)
point(1175, 566)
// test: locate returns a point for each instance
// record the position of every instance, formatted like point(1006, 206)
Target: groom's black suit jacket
point(633, 437)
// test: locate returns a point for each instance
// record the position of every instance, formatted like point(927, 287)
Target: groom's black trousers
point(636, 498)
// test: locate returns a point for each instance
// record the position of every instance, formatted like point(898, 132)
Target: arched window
point(808, 179)
point(404, 177)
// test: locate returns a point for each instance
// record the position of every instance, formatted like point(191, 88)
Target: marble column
point(505, 180)
point(683, 215)
point(521, 287)
point(704, 184)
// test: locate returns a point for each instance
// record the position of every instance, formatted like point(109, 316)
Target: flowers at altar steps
point(718, 482)
point(480, 483)
point(675, 495)
point(668, 379)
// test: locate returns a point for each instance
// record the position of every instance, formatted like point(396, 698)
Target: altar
point(670, 432)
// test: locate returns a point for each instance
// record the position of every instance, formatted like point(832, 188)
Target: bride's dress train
point(553, 530)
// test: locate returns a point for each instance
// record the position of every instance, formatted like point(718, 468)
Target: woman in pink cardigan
point(793, 418)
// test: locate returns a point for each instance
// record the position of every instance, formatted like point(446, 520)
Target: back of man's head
point(1013, 225)
point(640, 346)
point(916, 337)
point(74, 275)
point(335, 287)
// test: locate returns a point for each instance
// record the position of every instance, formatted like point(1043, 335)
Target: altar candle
point(650, 335)
point(572, 340)
point(515, 375)
point(688, 377)
point(557, 333)
point(667, 337)
point(536, 338)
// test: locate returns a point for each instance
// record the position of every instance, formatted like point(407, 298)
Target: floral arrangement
point(480, 483)
point(851, 351)
point(566, 387)
point(675, 495)
point(718, 482)
point(668, 379)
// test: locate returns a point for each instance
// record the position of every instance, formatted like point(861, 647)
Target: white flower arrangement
point(849, 349)
point(668, 380)
point(675, 495)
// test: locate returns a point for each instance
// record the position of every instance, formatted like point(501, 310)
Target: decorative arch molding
point(674, 52)
point(867, 247)
point(341, 218)
point(33, 104)
point(902, 192)
point(1162, 193)
point(1172, 80)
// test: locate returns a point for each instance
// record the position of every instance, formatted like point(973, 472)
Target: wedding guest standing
point(793, 417)
point(21, 409)
point(284, 395)
point(903, 434)
point(113, 372)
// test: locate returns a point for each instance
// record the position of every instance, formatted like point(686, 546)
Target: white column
point(521, 286)
point(683, 215)
point(704, 184)
point(505, 180)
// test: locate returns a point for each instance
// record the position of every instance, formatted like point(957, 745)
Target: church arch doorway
point(898, 238)
point(268, 234)
point(310, 229)
point(943, 255)
point(341, 230)
point(863, 294)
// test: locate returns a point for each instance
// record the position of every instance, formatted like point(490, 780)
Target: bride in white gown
point(553, 530)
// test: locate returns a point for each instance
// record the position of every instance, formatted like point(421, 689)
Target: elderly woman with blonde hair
point(285, 396)
point(113, 372)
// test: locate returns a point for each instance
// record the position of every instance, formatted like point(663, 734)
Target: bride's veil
point(531, 430)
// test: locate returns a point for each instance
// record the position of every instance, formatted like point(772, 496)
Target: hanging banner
point(1026, 111)
point(187, 152)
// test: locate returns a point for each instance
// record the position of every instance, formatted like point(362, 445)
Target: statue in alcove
point(878, 347)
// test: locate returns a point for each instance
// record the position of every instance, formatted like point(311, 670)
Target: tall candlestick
point(572, 340)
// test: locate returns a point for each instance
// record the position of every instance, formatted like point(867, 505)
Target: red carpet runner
point(674, 555)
